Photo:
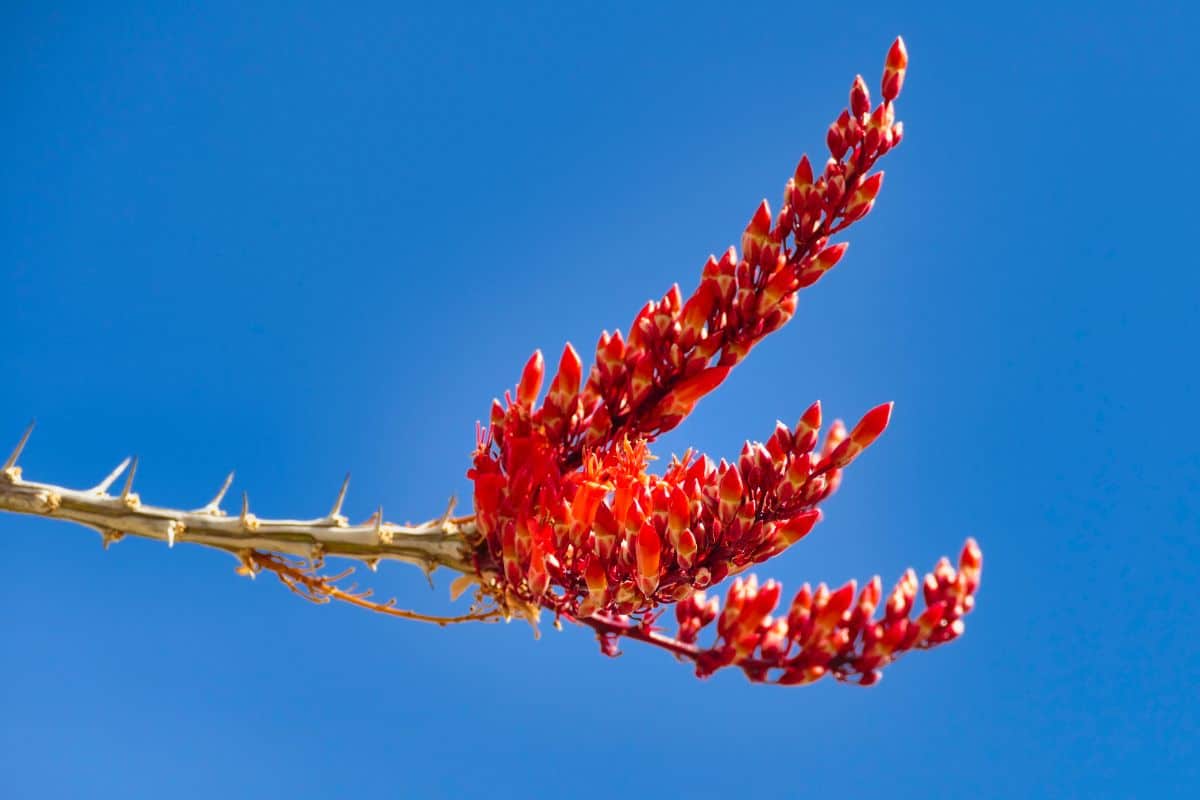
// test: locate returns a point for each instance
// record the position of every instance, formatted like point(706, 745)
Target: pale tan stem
point(439, 542)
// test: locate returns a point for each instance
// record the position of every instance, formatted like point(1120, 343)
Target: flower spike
point(625, 541)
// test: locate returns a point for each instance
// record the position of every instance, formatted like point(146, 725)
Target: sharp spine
point(16, 453)
point(336, 512)
point(214, 505)
point(127, 489)
point(103, 486)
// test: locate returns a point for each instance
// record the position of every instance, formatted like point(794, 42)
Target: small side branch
point(302, 578)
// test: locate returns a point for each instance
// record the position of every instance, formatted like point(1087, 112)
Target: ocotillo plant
point(568, 521)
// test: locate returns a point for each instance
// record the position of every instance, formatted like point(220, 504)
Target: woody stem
point(436, 543)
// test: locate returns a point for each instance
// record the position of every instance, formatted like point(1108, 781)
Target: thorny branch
point(292, 549)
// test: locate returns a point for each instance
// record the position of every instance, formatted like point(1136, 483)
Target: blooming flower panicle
point(570, 520)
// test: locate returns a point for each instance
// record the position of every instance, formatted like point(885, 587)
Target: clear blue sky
point(302, 239)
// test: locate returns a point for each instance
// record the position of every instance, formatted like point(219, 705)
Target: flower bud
point(860, 97)
point(811, 270)
point(649, 552)
point(531, 379)
point(796, 528)
point(893, 70)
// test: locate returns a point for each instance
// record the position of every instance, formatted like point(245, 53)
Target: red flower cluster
point(829, 632)
point(570, 520)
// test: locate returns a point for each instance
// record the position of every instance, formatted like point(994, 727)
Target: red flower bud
point(649, 551)
point(808, 425)
point(565, 385)
point(860, 97)
point(865, 432)
point(781, 284)
point(531, 379)
point(804, 173)
point(539, 579)
point(864, 197)
point(893, 70)
point(929, 619)
point(970, 565)
point(811, 271)
point(873, 423)
point(800, 468)
point(901, 599)
point(731, 489)
point(761, 604)
point(686, 548)
point(757, 234)
point(599, 423)
point(796, 528)
point(834, 608)
point(735, 599)
point(605, 528)
point(680, 401)
point(679, 512)
point(800, 610)
point(835, 436)
point(610, 353)
point(868, 600)
point(642, 380)
point(775, 641)
point(597, 580)
point(697, 309)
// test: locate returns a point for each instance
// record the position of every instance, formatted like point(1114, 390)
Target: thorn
point(444, 524)
point(126, 491)
point(428, 568)
point(103, 486)
point(383, 533)
point(109, 536)
point(372, 564)
point(335, 513)
point(247, 519)
point(214, 505)
point(16, 453)
point(174, 529)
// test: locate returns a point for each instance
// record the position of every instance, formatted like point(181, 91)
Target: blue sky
point(298, 239)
